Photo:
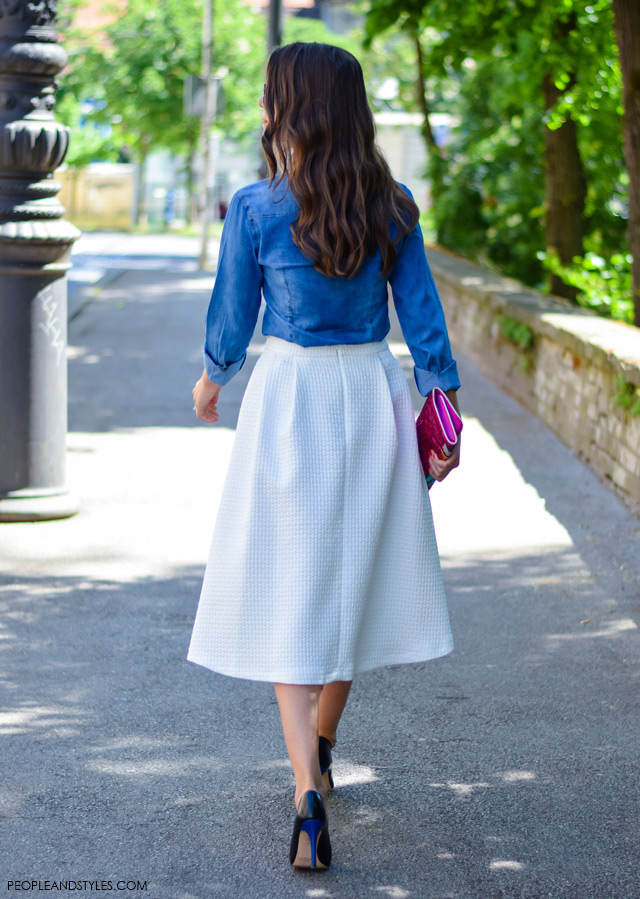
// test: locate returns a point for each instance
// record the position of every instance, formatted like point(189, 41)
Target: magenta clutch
point(437, 427)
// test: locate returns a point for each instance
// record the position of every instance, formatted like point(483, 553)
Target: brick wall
point(570, 367)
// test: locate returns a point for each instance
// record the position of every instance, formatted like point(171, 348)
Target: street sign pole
point(205, 131)
point(274, 38)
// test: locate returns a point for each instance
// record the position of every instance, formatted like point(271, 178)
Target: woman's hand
point(440, 468)
point(205, 399)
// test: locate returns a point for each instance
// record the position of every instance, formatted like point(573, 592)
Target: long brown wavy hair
point(320, 134)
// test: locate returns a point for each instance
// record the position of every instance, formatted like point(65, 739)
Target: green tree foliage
point(134, 71)
point(605, 285)
point(491, 207)
point(627, 26)
point(87, 144)
point(380, 60)
point(486, 64)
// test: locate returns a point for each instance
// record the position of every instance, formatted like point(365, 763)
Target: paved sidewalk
point(507, 769)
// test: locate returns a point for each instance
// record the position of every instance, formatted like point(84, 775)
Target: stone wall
point(576, 371)
point(100, 196)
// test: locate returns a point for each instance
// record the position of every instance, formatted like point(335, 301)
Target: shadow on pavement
point(604, 532)
point(484, 774)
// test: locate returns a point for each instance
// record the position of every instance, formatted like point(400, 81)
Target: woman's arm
point(419, 309)
point(233, 309)
point(235, 300)
point(423, 325)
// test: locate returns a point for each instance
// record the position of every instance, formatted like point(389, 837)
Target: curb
point(87, 294)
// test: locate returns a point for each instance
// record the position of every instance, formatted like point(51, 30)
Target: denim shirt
point(258, 257)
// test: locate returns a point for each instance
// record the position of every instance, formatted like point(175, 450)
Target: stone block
point(617, 424)
point(628, 459)
point(607, 440)
point(567, 359)
point(590, 392)
point(601, 461)
point(621, 476)
point(632, 489)
point(632, 435)
point(605, 401)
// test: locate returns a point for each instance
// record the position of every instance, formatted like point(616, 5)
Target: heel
point(312, 828)
point(327, 777)
point(310, 844)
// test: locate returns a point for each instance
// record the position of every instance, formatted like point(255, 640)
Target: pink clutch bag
point(438, 427)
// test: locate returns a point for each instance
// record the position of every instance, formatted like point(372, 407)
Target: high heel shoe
point(324, 754)
point(310, 845)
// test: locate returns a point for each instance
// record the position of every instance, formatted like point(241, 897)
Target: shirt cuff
point(447, 379)
point(219, 374)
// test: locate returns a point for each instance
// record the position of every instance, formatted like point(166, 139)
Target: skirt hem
point(446, 649)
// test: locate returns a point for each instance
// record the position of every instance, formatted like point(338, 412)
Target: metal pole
point(275, 24)
point(205, 131)
point(35, 246)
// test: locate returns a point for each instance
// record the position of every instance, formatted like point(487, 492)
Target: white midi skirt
point(323, 562)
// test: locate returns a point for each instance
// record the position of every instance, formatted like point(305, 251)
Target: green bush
point(604, 285)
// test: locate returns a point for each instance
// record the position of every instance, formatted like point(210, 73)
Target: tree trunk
point(627, 23)
point(139, 212)
point(565, 184)
point(436, 161)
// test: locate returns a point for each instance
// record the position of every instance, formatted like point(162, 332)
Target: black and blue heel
point(324, 755)
point(310, 845)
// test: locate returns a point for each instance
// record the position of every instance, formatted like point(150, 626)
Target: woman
point(323, 562)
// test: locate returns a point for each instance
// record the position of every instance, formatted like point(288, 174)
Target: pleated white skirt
point(323, 562)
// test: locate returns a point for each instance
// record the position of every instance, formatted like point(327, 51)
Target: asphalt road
point(507, 769)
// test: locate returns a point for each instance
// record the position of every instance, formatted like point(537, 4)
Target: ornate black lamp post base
point(35, 246)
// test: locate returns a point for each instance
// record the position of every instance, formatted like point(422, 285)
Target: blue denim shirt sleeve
point(421, 317)
point(235, 300)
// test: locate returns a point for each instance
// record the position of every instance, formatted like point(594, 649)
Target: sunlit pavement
point(507, 769)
